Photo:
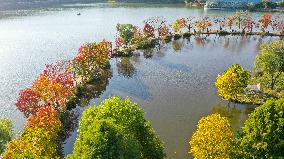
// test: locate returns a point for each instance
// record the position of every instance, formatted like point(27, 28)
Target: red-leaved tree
point(46, 118)
point(28, 101)
point(265, 21)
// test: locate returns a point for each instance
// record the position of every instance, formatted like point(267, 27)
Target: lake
point(174, 85)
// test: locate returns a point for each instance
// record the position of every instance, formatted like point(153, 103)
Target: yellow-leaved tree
point(213, 138)
point(232, 83)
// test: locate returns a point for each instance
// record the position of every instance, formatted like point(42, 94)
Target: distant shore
point(25, 5)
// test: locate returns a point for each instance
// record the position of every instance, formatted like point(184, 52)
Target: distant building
point(232, 4)
point(241, 1)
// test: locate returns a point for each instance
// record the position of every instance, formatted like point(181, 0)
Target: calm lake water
point(174, 84)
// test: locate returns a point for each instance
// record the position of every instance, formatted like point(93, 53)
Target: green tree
point(103, 139)
point(213, 138)
point(271, 60)
point(126, 32)
point(263, 132)
point(5, 133)
point(125, 124)
point(232, 83)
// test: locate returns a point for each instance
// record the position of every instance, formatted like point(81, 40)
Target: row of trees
point(268, 72)
point(47, 103)
point(261, 137)
point(130, 36)
point(47, 106)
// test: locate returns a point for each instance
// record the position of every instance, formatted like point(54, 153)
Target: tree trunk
point(273, 81)
point(272, 84)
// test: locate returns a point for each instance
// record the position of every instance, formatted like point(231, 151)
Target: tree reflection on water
point(94, 88)
point(125, 67)
point(177, 44)
point(236, 113)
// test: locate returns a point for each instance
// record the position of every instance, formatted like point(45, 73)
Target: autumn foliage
point(248, 24)
point(46, 118)
point(153, 25)
point(232, 83)
point(28, 101)
point(91, 58)
point(179, 24)
point(53, 92)
point(230, 21)
point(213, 138)
point(149, 30)
point(47, 99)
point(201, 25)
point(50, 93)
point(34, 143)
point(265, 20)
point(52, 87)
point(39, 138)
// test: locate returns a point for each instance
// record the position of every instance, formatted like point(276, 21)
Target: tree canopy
point(263, 132)
point(108, 129)
point(232, 82)
point(213, 138)
point(126, 32)
point(39, 138)
point(104, 139)
point(271, 60)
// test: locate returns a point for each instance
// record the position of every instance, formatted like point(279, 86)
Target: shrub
point(72, 102)
point(186, 35)
point(213, 138)
point(223, 33)
point(177, 36)
point(123, 117)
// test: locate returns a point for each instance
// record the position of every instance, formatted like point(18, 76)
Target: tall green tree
point(103, 139)
point(263, 132)
point(110, 129)
point(232, 83)
point(271, 60)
